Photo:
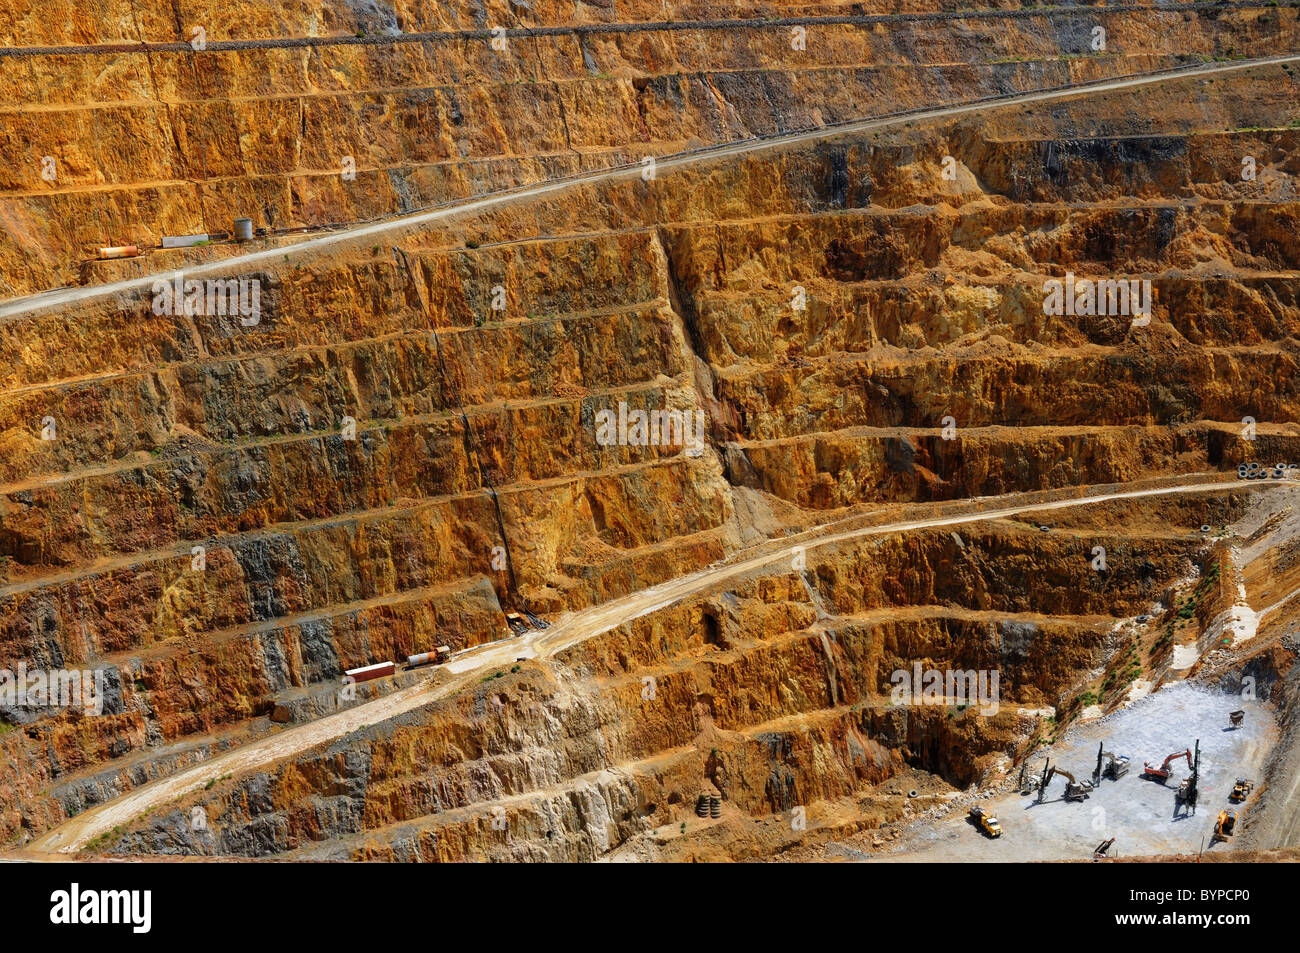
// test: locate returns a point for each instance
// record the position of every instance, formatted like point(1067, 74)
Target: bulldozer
point(1161, 772)
point(1241, 790)
point(1224, 826)
point(1236, 718)
point(985, 821)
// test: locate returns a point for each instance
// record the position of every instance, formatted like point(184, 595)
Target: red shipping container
point(367, 672)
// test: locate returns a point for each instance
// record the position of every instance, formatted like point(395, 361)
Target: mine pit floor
point(1138, 813)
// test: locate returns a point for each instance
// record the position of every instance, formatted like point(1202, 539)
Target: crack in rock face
point(577, 432)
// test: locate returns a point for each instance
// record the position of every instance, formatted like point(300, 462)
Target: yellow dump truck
point(985, 821)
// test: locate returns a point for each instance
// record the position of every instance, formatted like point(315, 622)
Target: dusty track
point(68, 296)
point(572, 630)
point(599, 29)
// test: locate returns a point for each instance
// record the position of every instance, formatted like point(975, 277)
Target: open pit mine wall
point(323, 553)
point(775, 716)
point(985, 605)
point(179, 141)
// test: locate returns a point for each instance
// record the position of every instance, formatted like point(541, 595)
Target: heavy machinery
point(1102, 849)
point(1074, 790)
point(1161, 772)
point(985, 821)
point(1188, 789)
point(1224, 826)
point(1114, 766)
point(1044, 779)
point(439, 655)
point(521, 623)
point(1028, 782)
point(1241, 790)
point(1235, 718)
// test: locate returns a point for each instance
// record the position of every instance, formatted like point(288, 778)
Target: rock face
point(390, 107)
point(402, 449)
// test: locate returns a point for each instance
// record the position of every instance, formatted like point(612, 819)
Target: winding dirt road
point(571, 630)
point(74, 834)
point(385, 229)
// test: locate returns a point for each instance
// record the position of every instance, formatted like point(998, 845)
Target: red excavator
point(1161, 772)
